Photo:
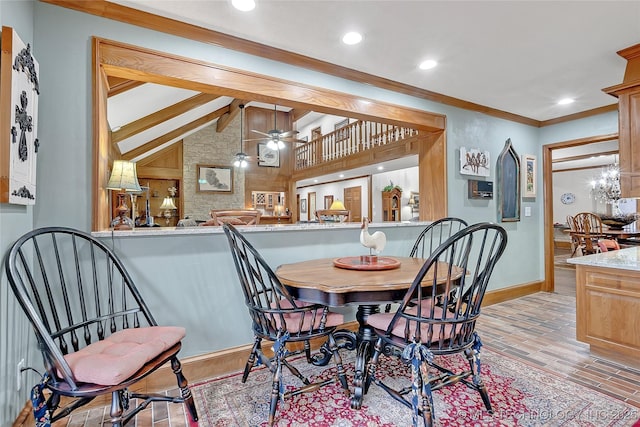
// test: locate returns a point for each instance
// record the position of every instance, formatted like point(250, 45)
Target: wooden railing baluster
point(353, 138)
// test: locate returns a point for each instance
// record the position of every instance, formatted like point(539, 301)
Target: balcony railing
point(348, 140)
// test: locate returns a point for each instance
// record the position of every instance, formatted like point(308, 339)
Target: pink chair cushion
point(119, 356)
point(382, 321)
point(608, 245)
point(292, 320)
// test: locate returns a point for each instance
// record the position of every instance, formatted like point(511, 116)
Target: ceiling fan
point(275, 136)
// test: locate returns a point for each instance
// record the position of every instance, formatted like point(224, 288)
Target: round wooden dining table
point(322, 281)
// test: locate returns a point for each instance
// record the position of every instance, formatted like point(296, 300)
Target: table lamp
point(337, 206)
point(124, 179)
point(169, 207)
point(278, 211)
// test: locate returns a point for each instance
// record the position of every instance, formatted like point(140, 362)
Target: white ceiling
point(516, 56)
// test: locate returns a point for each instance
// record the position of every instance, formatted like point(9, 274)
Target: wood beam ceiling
point(175, 134)
point(160, 116)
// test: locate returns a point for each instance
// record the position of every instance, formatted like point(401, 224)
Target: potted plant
point(391, 186)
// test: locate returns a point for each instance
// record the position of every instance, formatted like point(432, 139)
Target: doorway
point(312, 206)
point(547, 181)
point(353, 202)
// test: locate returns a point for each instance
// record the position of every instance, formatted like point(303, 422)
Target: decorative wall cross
point(25, 121)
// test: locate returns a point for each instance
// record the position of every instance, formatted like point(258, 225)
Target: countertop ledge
point(180, 231)
point(623, 259)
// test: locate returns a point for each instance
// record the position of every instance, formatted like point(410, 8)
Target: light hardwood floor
point(538, 329)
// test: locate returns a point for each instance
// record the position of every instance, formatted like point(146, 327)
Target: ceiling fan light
point(240, 160)
point(272, 145)
point(280, 145)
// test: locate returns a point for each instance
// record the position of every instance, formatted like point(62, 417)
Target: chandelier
point(606, 188)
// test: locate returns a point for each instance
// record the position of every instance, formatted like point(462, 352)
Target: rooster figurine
point(375, 242)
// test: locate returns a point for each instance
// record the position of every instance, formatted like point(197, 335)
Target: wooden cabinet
point(158, 190)
point(608, 309)
point(628, 93)
point(267, 200)
point(391, 205)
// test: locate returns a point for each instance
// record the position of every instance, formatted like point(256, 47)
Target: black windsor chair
point(432, 236)
point(423, 327)
point(95, 332)
point(277, 317)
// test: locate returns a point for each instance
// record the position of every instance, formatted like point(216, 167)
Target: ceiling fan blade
point(261, 133)
point(288, 133)
point(256, 139)
point(293, 140)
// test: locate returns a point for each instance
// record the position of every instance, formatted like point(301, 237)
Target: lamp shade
point(167, 203)
point(124, 177)
point(337, 206)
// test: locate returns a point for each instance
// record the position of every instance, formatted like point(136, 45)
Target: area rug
point(521, 395)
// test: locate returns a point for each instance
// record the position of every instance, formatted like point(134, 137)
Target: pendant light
point(240, 160)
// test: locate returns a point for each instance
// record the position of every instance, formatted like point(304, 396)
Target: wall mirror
point(117, 65)
point(508, 177)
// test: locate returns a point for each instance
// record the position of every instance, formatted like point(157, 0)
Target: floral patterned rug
point(521, 395)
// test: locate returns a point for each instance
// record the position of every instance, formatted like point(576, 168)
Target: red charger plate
point(365, 262)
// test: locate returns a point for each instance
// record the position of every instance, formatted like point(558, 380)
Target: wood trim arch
point(115, 59)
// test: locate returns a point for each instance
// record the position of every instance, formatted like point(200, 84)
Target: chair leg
point(116, 409)
point(425, 394)
point(275, 392)
point(373, 364)
point(307, 351)
point(342, 376)
point(252, 359)
point(474, 363)
point(185, 392)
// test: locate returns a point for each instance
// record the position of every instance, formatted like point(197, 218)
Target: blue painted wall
point(15, 339)
point(189, 279)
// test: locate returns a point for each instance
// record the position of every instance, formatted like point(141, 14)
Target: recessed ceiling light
point(352, 37)
point(341, 175)
point(428, 64)
point(565, 101)
point(315, 180)
point(380, 168)
point(244, 5)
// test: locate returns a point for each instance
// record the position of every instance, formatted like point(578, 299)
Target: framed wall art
point(529, 175)
point(19, 91)
point(474, 162)
point(508, 177)
point(268, 157)
point(303, 205)
point(214, 179)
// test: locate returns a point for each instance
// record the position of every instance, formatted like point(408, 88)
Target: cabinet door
point(629, 143)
